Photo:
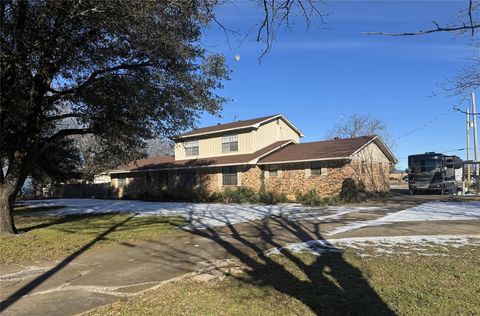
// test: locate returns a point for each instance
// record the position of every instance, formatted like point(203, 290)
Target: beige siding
point(211, 146)
point(272, 132)
point(372, 153)
point(249, 141)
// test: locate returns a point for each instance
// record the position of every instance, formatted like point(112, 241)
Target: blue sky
point(315, 76)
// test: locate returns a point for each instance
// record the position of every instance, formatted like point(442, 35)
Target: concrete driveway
point(89, 278)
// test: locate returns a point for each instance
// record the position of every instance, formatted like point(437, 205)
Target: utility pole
point(468, 147)
point(475, 136)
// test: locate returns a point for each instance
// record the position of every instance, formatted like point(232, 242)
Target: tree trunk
point(7, 200)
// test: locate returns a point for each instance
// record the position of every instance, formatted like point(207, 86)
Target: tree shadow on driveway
point(327, 284)
point(45, 276)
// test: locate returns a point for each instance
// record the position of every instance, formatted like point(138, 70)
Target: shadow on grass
point(47, 221)
point(89, 222)
point(327, 285)
point(42, 278)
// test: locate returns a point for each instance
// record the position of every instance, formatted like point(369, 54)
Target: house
point(261, 152)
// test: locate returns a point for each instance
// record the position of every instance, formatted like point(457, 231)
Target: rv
point(434, 173)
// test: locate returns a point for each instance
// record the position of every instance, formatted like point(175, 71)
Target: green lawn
point(332, 284)
point(43, 237)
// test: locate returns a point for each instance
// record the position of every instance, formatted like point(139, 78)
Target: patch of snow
point(431, 211)
point(417, 243)
point(198, 214)
point(331, 212)
point(316, 247)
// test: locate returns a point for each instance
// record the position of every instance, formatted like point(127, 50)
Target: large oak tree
point(123, 71)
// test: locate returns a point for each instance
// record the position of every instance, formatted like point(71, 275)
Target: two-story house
point(249, 152)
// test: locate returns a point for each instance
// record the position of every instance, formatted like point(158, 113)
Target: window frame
point(187, 178)
point(121, 181)
point(275, 171)
point(315, 173)
point(229, 173)
point(363, 168)
point(192, 148)
point(230, 143)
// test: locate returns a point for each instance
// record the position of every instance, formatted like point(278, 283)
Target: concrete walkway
point(91, 278)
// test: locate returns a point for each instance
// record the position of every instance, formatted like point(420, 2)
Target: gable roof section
point(325, 150)
point(168, 162)
point(251, 123)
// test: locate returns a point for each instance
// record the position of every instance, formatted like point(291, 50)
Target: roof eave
point(303, 160)
point(252, 126)
point(382, 146)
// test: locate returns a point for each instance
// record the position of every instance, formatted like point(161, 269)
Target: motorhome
point(435, 173)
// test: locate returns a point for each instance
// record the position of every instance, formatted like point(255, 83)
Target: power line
point(446, 151)
point(465, 112)
point(423, 125)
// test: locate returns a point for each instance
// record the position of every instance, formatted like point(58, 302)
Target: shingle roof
point(235, 125)
point(337, 148)
point(169, 162)
point(142, 163)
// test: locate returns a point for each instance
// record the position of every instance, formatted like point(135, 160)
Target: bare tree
point(360, 125)
point(159, 147)
point(125, 71)
point(466, 24)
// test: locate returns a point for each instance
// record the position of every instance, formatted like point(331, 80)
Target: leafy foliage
point(58, 163)
point(313, 198)
point(240, 195)
point(123, 70)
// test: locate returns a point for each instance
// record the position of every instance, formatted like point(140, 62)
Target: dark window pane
point(229, 143)
point(229, 175)
point(273, 171)
point(316, 168)
point(187, 179)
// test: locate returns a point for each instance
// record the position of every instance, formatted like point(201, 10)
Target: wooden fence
point(83, 190)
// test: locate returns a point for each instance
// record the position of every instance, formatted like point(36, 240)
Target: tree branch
point(69, 132)
point(94, 76)
point(465, 112)
point(438, 29)
point(63, 116)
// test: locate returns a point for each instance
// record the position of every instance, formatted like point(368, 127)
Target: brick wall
point(291, 179)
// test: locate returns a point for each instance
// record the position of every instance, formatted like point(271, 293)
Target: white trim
point(189, 167)
point(254, 126)
point(255, 161)
point(389, 152)
point(304, 160)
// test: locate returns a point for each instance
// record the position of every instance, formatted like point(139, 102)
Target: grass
point(332, 284)
point(43, 237)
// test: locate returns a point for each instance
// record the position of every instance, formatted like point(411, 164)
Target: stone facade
point(291, 179)
point(297, 178)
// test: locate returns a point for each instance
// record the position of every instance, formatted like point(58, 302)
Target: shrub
point(351, 192)
point(228, 195)
point(312, 198)
point(272, 198)
point(237, 195)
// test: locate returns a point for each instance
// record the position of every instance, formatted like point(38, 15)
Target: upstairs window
point(316, 168)
point(363, 168)
point(229, 143)
point(191, 148)
point(229, 175)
